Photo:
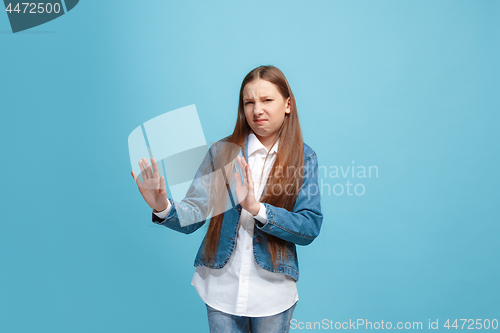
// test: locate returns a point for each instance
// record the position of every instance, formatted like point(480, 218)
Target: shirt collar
point(254, 144)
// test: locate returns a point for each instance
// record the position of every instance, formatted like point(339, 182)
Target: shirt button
point(248, 247)
point(243, 280)
point(258, 239)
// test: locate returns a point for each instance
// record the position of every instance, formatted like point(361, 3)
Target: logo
point(26, 15)
point(176, 141)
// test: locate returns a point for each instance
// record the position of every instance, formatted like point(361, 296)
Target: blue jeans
point(221, 322)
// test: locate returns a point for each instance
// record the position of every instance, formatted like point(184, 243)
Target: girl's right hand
point(153, 188)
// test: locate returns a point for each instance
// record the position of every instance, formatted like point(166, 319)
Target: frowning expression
point(265, 108)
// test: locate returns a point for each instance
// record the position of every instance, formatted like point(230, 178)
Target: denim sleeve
point(302, 225)
point(190, 213)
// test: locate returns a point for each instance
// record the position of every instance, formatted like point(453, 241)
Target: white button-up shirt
point(242, 287)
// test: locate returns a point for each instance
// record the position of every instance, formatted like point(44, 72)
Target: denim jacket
point(297, 227)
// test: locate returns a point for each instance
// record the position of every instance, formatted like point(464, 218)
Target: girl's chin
point(262, 135)
point(260, 132)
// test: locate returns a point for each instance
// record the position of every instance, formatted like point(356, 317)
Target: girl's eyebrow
point(250, 98)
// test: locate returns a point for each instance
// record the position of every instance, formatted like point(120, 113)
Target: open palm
point(245, 192)
point(153, 188)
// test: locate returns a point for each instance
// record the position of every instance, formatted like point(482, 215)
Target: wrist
point(160, 210)
point(256, 209)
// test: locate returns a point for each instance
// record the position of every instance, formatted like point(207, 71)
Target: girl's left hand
point(245, 193)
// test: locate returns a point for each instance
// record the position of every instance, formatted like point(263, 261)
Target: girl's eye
point(266, 100)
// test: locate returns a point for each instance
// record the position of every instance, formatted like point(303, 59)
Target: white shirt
point(242, 287)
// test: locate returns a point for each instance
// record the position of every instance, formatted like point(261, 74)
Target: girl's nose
point(257, 108)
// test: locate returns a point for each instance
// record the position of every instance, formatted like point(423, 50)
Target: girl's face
point(265, 108)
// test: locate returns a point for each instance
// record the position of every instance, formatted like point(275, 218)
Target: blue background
point(411, 87)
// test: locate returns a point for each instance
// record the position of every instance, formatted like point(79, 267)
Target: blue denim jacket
point(298, 227)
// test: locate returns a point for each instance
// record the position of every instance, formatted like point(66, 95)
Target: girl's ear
point(288, 105)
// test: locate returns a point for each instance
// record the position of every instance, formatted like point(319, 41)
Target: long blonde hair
point(290, 156)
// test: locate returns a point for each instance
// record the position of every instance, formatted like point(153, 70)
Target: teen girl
point(246, 266)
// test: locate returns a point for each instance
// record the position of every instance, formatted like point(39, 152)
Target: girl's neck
point(267, 141)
